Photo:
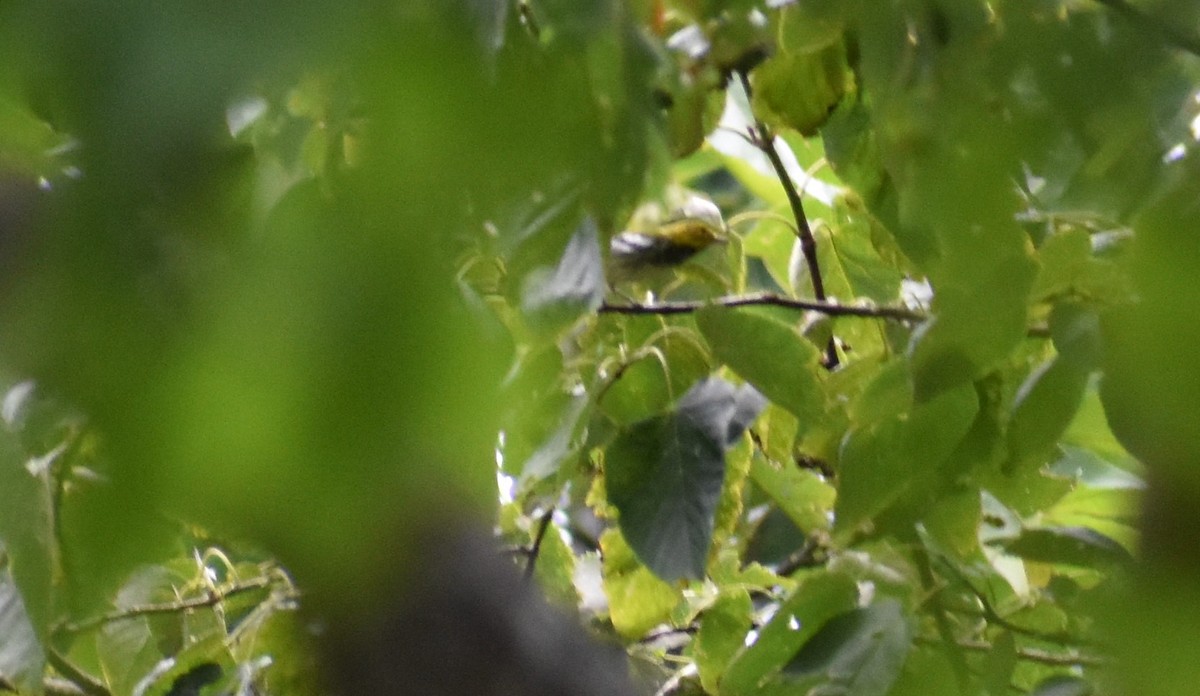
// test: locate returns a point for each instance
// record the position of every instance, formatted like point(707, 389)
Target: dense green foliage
point(890, 434)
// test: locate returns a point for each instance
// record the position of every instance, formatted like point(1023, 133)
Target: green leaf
point(199, 664)
point(888, 393)
point(555, 569)
point(547, 458)
point(723, 628)
point(637, 600)
point(810, 24)
point(859, 653)
point(1064, 258)
point(799, 90)
point(1044, 407)
point(1076, 546)
point(898, 457)
point(664, 476)
point(128, 651)
point(813, 603)
point(641, 390)
point(871, 475)
point(770, 354)
point(663, 367)
point(801, 494)
point(1000, 663)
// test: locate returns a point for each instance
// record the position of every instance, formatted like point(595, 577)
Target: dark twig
point(1171, 35)
point(210, 599)
point(764, 140)
point(807, 556)
point(831, 309)
point(543, 525)
point(822, 307)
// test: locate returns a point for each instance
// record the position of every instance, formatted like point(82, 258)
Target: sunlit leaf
point(723, 628)
point(637, 600)
point(779, 361)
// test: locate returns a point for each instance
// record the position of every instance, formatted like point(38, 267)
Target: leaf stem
point(209, 599)
point(534, 550)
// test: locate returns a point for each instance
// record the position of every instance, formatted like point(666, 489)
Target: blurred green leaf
point(799, 89)
point(898, 457)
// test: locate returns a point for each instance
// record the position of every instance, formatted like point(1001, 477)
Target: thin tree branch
point(764, 140)
point(534, 550)
point(1044, 657)
point(807, 556)
point(823, 307)
point(831, 309)
point(211, 599)
point(1171, 36)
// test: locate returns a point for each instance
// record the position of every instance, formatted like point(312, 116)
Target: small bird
point(690, 229)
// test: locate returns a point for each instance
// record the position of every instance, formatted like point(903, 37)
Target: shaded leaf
point(1078, 546)
point(664, 476)
point(813, 603)
point(859, 653)
point(901, 456)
